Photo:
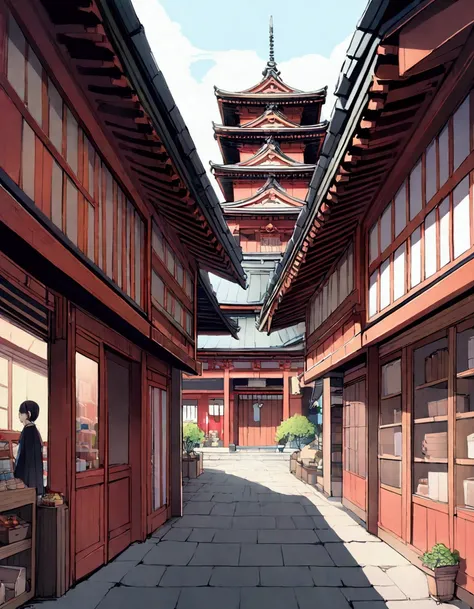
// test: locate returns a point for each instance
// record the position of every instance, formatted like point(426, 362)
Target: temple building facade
point(270, 140)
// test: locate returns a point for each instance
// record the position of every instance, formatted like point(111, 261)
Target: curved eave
point(293, 97)
point(211, 318)
point(227, 170)
point(134, 97)
point(318, 130)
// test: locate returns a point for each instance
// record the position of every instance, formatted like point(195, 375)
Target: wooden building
point(108, 226)
point(270, 141)
point(380, 268)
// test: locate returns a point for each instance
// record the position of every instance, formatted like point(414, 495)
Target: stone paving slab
point(304, 555)
point(126, 598)
point(293, 577)
point(260, 555)
point(217, 554)
point(143, 576)
point(236, 536)
point(271, 598)
point(233, 577)
point(114, 572)
point(310, 598)
point(207, 598)
point(287, 536)
point(179, 577)
point(171, 553)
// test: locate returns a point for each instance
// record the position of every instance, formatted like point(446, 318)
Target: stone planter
point(311, 475)
point(293, 458)
point(298, 470)
point(192, 465)
point(442, 582)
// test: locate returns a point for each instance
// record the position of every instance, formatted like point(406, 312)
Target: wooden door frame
point(270, 394)
point(354, 378)
point(155, 518)
point(121, 471)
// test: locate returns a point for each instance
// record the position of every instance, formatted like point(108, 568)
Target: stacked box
point(435, 445)
point(438, 486)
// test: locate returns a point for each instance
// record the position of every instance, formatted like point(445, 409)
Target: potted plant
point(295, 429)
point(445, 566)
point(192, 462)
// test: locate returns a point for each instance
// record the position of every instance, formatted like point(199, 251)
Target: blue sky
point(301, 26)
point(199, 44)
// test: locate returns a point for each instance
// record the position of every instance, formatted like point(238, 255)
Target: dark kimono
point(29, 462)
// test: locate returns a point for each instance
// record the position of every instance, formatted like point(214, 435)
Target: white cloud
point(232, 70)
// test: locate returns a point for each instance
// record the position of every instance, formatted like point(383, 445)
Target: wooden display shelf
point(465, 373)
point(18, 601)
point(391, 396)
point(432, 383)
point(438, 419)
point(390, 457)
point(14, 548)
point(390, 425)
point(440, 460)
point(391, 489)
point(465, 415)
point(464, 462)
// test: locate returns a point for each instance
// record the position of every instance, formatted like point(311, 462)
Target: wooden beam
point(327, 435)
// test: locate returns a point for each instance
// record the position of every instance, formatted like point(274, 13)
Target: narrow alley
point(252, 536)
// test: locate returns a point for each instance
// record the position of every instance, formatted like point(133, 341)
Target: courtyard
point(253, 536)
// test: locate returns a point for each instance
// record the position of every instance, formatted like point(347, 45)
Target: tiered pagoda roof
point(271, 199)
point(269, 160)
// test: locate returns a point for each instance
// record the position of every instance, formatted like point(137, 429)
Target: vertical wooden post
point(226, 405)
point(327, 435)
point(372, 439)
point(451, 431)
point(176, 443)
point(286, 394)
point(407, 457)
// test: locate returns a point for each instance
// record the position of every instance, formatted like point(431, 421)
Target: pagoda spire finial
point(272, 40)
point(270, 68)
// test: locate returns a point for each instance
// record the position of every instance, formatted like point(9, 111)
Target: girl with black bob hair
point(29, 459)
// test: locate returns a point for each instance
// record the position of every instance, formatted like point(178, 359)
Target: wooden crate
point(52, 563)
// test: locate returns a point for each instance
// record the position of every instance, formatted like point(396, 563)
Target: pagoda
point(270, 138)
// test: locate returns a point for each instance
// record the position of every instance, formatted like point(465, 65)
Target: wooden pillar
point(176, 444)
point(286, 394)
point(373, 395)
point(226, 405)
point(327, 435)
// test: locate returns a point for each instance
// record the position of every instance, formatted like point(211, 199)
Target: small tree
point(192, 435)
point(296, 428)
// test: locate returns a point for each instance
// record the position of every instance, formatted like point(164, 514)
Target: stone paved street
point(252, 536)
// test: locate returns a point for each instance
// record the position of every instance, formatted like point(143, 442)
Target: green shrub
point(192, 435)
point(296, 428)
point(440, 556)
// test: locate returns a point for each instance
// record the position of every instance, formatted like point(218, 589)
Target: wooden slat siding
point(23, 308)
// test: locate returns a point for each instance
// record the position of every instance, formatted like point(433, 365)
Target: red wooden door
point(259, 417)
point(158, 449)
point(119, 495)
point(355, 445)
point(88, 535)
